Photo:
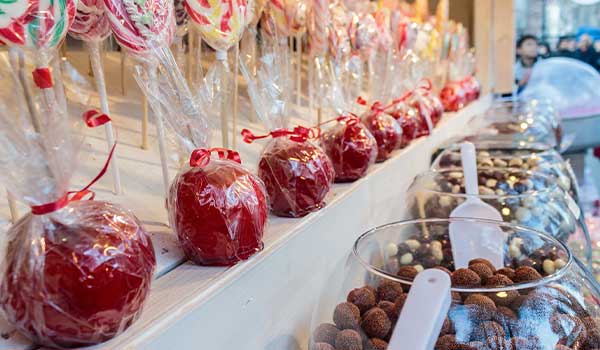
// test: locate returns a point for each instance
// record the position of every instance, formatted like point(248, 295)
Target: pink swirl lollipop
point(139, 25)
point(90, 21)
point(318, 27)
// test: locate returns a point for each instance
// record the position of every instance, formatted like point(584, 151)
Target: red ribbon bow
point(298, 134)
point(201, 157)
point(42, 78)
point(92, 119)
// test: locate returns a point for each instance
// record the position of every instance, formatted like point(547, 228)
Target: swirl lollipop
point(142, 28)
point(91, 25)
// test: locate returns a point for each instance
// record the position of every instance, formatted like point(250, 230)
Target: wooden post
point(503, 49)
point(483, 39)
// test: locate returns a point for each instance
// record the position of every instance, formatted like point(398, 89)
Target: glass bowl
point(533, 157)
point(522, 197)
point(541, 297)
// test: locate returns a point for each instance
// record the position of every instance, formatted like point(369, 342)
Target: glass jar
point(540, 297)
point(523, 197)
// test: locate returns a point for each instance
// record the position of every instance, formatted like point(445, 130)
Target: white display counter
point(266, 302)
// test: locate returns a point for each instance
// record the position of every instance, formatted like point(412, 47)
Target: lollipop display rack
point(204, 184)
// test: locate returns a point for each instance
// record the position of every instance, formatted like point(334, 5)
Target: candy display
point(218, 209)
point(540, 298)
point(351, 147)
point(76, 271)
point(523, 197)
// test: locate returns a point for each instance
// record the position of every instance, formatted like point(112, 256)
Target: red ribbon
point(42, 78)
point(201, 157)
point(92, 119)
point(298, 134)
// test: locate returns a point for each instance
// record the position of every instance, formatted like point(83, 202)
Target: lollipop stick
point(298, 68)
point(12, 206)
point(95, 58)
point(160, 131)
point(198, 56)
point(123, 58)
point(17, 59)
point(311, 67)
point(190, 56)
point(235, 95)
point(222, 58)
point(145, 122)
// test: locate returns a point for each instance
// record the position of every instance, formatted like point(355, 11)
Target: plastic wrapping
point(570, 84)
point(77, 272)
point(386, 131)
point(317, 27)
point(221, 23)
point(218, 209)
point(540, 298)
point(297, 172)
point(91, 22)
point(531, 199)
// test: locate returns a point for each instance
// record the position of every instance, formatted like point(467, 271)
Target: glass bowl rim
point(517, 286)
point(537, 148)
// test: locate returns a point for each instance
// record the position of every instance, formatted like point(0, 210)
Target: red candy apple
point(453, 97)
point(297, 175)
point(78, 276)
point(218, 210)
point(424, 111)
point(386, 130)
point(406, 117)
point(437, 111)
point(351, 148)
point(472, 88)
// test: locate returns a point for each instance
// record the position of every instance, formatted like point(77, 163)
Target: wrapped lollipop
point(145, 31)
point(91, 25)
point(76, 271)
point(181, 22)
point(296, 172)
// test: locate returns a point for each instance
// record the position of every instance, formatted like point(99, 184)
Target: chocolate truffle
point(363, 298)
point(445, 342)
point(465, 278)
point(443, 269)
point(375, 323)
point(399, 303)
point(407, 272)
point(375, 344)
point(506, 271)
point(346, 316)
point(483, 261)
point(482, 270)
point(389, 290)
point(348, 340)
point(447, 327)
point(498, 280)
point(526, 274)
point(485, 308)
point(487, 329)
point(322, 346)
point(519, 343)
point(496, 343)
point(325, 333)
point(390, 309)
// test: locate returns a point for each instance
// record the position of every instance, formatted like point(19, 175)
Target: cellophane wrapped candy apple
point(384, 128)
point(76, 272)
point(406, 116)
point(296, 171)
point(351, 148)
point(453, 97)
point(218, 209)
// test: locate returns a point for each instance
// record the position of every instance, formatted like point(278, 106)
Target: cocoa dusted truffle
point(389, 290)
point(484, 307)
point(390, 309)
point(407, 272)
point(483, 261)
point(346, 316)
point(375, 323)
point(569, 328)
point(322, 346)
point(399, 303)
point(375, 344)
point(363, 298)
point(465, 278)
point(443, 269)
point(447, 327)
point(486, 330)
point(348, 340)
point(519, 343)
point(506, 271)
point(498, 281)
point(526, 274)
point(496, 343)
point(482, 270)
point(445, 342)
point(325, 333)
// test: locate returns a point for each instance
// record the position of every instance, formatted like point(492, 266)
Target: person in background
point(544, 50)
point(565, 47)
point(586, 52)
point(527, 56)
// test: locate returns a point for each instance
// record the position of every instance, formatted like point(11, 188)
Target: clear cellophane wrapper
point(348, 143)
point(76, 273)
point(296, 171)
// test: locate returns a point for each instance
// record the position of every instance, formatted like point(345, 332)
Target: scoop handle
point(469, 164)
point(424, 311)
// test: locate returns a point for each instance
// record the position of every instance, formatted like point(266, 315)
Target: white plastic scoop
point(470, 239)
point(423, 313)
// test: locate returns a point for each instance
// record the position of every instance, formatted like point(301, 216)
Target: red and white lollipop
point(91, 22)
